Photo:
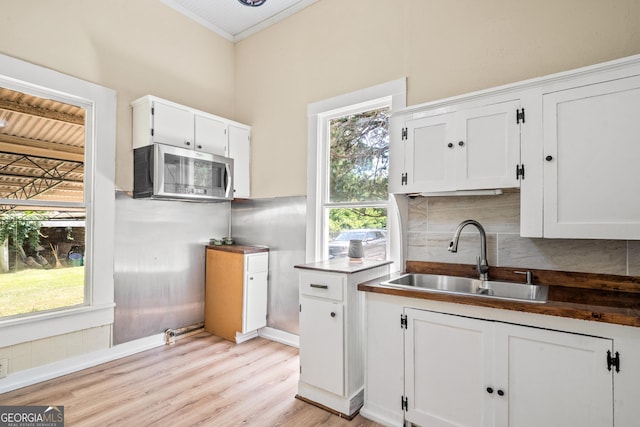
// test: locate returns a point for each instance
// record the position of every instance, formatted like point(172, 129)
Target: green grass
point(34, 290)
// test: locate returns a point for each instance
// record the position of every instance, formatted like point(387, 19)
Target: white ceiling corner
point(235, 21)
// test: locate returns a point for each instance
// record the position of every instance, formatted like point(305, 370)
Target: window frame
point(392, 94)
point(99, 197)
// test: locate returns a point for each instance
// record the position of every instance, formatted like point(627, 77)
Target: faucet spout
point(482, 264)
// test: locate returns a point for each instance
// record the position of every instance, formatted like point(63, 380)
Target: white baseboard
point(240, 338)
point(282, 337)
point(77, 363)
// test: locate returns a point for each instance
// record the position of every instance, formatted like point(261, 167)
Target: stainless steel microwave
point(168, 172)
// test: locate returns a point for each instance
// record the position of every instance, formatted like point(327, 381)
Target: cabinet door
point(591, 154)
point(448, 365)
point(321, 344)
point(488, 149)
point(552, 378)
point(255, 292)
point(430, 154)
point(210, 135)
point(172, 125)
point(255, 301)
point(240, 152)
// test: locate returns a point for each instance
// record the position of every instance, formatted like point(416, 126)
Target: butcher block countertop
point(239, 249)
point(597, 297)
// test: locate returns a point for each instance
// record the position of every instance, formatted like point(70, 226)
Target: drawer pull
point(313, 285)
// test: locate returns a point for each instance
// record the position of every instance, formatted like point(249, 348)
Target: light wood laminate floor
point(202, 380)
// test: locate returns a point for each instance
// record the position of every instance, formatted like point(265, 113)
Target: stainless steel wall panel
point(280, 224)
point(159, 263)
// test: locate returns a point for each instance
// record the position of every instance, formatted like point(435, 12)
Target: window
point(42, 220)
point(355, 203)
point(64, 193)
point(347, 196)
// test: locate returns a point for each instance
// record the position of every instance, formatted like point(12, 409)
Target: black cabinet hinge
point(519, 171)
point(519, 115)
point(403, 321)
point(404, 403)
point(405, 133)
point(403, 180)
point(300, 308)
point(613, 361)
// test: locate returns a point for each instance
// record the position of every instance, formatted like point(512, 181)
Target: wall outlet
point(4, 367)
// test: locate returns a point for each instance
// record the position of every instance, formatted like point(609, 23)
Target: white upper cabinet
point(171, 125)
point(240, 151)
point(210, 135)
point(465, 146)
point(591, 156)
point(582, 154)
point(488, 150)
point(426, 148)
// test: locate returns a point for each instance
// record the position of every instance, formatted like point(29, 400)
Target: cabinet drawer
point(322, 285)
point(257, 263)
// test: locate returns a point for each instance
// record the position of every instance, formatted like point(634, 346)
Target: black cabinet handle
point(315, 285)
point(333, 314)
point(489, 390)
point(199, 147)
point(548, 158)
point(187, 142)
point(500, 393)
point(450, 145)
point(461, 143)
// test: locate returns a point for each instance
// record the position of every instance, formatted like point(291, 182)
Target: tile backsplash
point(433, 220)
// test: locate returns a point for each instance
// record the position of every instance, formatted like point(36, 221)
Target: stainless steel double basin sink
point(470, 287)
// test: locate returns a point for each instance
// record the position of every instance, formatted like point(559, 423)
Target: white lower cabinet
point(462, 371)
point(429, 363)
point(332, 336)
point(447, 367)
point(322, 359)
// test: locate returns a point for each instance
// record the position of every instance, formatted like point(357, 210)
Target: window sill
point(17, 330)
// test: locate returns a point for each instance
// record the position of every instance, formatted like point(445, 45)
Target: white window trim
point(100, 137)
point(316, 114)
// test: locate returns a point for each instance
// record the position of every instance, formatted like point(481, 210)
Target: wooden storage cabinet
point(158, 121)
point(236, 292)
point(468, 146)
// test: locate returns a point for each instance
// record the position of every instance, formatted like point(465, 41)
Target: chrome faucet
point(481, 262)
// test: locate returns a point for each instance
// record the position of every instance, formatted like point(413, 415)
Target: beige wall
point(443, 47)
point(136, 47)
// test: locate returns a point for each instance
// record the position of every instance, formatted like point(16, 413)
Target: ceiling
point(41, 149)
point(233, 20)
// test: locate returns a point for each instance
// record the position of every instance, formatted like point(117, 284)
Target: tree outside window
point(358, 182)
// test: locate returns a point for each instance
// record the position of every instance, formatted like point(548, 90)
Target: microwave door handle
point(227, 178)
point(151, 165)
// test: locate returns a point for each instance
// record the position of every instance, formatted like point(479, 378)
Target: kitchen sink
point(470, 287)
